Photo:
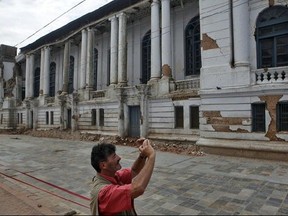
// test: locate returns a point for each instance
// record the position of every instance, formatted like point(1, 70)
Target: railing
point(270, 75)
point(98, 94)
point(188, 84)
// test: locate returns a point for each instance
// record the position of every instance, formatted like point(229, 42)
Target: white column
point(66, 61)
point(241, 35)
point(89, 65)
point(42, 71)
point(155, 40)
point(31, 75)
point(27, 76)
point(83, 59)
point(1, 82)
point(46, 71)
point(166, 37)
point(122, 50)
point(114, 51)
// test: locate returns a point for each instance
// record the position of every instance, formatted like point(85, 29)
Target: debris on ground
point(178, 147)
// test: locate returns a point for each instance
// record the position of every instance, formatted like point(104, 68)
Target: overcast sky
point(21, 18)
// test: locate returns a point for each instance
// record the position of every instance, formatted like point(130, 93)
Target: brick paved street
point(54, 176)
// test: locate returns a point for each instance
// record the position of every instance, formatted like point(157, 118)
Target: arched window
point(95, 69)
point(272, 37)
point(192, 48)
point(146, 58)
point(52, 73)
point(36, 82)
point(71, 75)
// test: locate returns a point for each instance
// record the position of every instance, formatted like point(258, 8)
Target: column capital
point(154, 2)
point(122, 14)
point(112, 18)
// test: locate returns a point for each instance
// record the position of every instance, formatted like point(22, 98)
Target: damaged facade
point(211, 72)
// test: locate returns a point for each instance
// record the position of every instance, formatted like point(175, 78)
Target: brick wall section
point(271, 102)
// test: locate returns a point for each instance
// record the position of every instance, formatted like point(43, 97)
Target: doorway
point(134, 121)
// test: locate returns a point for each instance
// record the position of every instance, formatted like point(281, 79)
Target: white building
point(210, 72)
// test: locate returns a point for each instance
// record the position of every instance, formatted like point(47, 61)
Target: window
point(192, 48)
point(1, 120)
point(95, 69)
point(21, 118)
point(36, 82)
point(146, 58)
point(282, 116)
point(93, 117)
point(101, 117)
point(194, 117)
point(71, 75)
point(52, 73)
point(272, 37)
point(47, 118)
point(179, 117)
point(51, 117)
point(258, 117)
point(23, 92)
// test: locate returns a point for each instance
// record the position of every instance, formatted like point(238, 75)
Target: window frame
point(179, 117)
point(71, 75)
point(52, 79)
point(282, 121)
point(256, 121)
point(266, 20)
point(36, 82)
point(146, 58)
point(192, 47)
point(95, 68)
point(101, 117)
point(192, 122)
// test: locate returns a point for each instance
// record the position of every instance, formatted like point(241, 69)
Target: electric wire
point(50, 22)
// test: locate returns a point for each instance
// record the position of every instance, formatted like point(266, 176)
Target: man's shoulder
point(124, 171)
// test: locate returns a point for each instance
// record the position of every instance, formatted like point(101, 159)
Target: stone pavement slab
point(180, 185)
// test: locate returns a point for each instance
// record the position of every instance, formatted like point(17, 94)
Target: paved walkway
point(53, 175)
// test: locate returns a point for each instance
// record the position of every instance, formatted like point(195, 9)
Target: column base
point(122, 84)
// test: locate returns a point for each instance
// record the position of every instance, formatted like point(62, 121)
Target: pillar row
point(114, 51)
point(42, 71)
point(66, 62)
point(89, 63)
point(83, 59)
point(241, 34)
point(46, 71)
point(155, 40)
point(166, 37)
point(122, 50)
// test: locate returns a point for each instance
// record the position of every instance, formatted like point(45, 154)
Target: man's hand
point(146, 149)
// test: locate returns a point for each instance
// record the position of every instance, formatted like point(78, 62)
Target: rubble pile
point(178, 147)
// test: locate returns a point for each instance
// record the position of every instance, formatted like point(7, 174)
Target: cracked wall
point(222, 124)
point(271, 103)
point(208, 42)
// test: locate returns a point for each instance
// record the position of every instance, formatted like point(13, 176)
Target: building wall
point(227, 91)
point(227, 81)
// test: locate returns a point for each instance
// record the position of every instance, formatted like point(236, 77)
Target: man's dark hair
point(99, 153)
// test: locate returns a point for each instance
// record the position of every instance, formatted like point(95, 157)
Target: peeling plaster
point(211, 114)
point(208, 43)
point(166, 70)
point(223, 124)
point(271, 102)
